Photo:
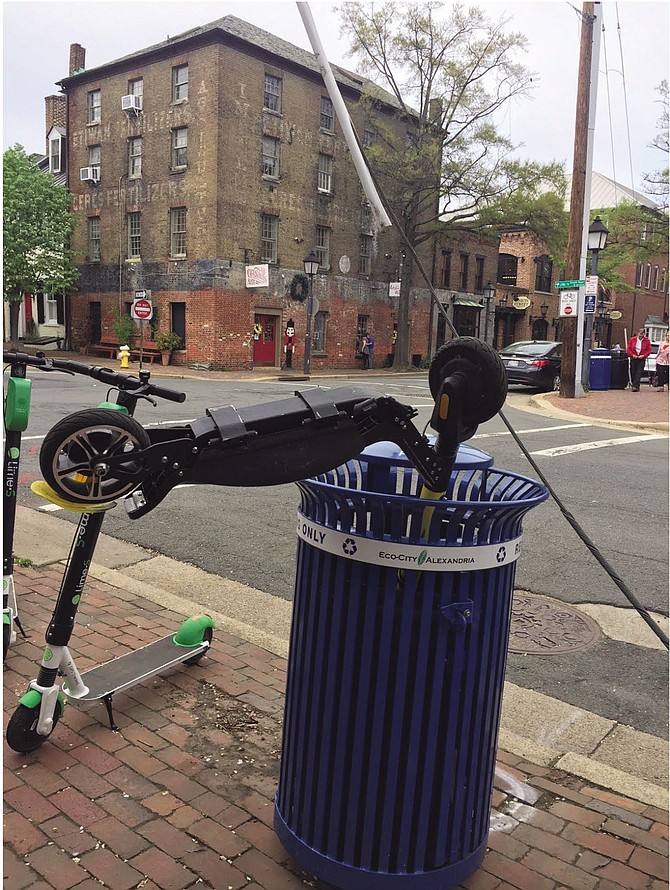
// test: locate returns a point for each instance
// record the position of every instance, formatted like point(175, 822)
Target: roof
point(606, 193)
point(237, 28)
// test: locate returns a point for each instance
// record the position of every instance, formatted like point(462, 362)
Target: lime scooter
point(16, 416)
point(41, 707)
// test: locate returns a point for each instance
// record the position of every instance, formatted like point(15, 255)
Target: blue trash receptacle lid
point(388, 453)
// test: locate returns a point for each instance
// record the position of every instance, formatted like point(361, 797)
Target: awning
point(461, 301)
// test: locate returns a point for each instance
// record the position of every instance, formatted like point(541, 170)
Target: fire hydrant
point(124, 355)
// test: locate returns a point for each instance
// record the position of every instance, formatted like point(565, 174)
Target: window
point(365, 260)
point(361, 331)
point(544, 269)
point(319, 332)
point(94, 157)
point(664, 281)
point(50, 309)
point(367, 222)
point(507, 269)
point(656, 271)
point(272, 93)
point(463, 272)
point(56, 158)
point(445, 278)
point(270, 156)
point(368, 137)
point(269, 229)
point(94, 239)
point(327, 116)
point(136, 87)
point(135, 157)
point(178, 320)
point(323, 246)
point(134, 234)
point(325, 175)
point(638, 275)
point(178, 231)
point(479, 274)
point(647, 276)
point(94, 107)
point(180, 83)
point(179, 144)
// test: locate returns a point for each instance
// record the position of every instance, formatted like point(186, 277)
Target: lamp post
point(311, 264)
point(598, 233)
point(489, 296)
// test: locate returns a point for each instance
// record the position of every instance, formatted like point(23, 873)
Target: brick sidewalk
point(182, 795)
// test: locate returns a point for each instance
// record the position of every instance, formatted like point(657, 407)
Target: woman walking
point(662, 361)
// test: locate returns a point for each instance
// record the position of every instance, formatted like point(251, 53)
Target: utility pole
point(571, 326)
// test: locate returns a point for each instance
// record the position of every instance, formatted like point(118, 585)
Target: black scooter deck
point(126, 670)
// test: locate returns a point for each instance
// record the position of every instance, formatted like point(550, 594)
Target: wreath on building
point(299, 287)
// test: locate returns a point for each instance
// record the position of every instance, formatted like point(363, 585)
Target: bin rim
point(539, 496)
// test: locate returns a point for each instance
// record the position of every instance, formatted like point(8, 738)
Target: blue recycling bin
point(600, 369)
point(396, 668)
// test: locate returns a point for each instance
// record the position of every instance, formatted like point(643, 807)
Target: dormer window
point(57, 150)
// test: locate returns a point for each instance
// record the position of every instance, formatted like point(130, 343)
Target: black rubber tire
point(6, 639)
point(207, 635)
point(21, 734)
point(75, 443)
point(487, 378)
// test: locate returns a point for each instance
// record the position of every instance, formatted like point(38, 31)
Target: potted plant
point(167, 341)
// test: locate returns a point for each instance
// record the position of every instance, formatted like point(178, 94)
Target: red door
point(265, 337)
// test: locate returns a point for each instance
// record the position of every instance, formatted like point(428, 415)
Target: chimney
point(77, 58)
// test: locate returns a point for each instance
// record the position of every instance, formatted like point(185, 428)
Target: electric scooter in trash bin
point(41, 707)
point(273, 443)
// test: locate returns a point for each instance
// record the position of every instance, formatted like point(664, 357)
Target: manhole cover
point(542, 626)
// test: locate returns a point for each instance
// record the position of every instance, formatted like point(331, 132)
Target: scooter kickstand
point(107, 699)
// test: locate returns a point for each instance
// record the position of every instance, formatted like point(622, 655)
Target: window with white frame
point(272, 93)
point(656, 274)
point(323, 246)
point(135, 157)
point(94, 107)
point(56, 146)
point(647, 276)
point(178, 232)
point(638, 275)
point(269, 231)
point(179, 147)
point(179, 83)
point(365, 257)
point(270, 156)
point(327, 115)
point(319, 332)
point(94, 155)
point(136, 87)
point(325, 174)
point(134, 235)
point(93, 239)
point(50, 310)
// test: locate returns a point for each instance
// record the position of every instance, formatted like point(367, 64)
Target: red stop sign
point(142, 309)
point(568, 310)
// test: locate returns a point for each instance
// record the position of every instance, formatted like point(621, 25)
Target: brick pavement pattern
point(181, 796)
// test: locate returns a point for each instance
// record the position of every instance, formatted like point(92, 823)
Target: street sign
point(590, 303)
point(569, 284)
point(142, 310)
point(591, 285)
point(568, 303)
point(142, 295)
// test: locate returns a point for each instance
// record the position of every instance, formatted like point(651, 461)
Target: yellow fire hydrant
point(124, 355)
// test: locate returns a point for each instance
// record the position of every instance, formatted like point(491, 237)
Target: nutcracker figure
point(289, 342)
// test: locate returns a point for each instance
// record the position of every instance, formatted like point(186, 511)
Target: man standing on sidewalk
point(638, 349)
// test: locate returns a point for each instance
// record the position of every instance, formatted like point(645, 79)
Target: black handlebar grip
point(171, 395)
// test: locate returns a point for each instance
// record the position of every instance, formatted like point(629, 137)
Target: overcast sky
point(633, 61)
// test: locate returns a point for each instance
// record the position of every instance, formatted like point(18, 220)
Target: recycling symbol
point(501, 554)
point(349, 546)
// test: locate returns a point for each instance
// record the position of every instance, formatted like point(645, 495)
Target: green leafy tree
point(37, 224)
point(657, 182)
point(449, 75)
point(636, 235)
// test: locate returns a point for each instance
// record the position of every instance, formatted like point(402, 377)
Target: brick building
point(216, 150)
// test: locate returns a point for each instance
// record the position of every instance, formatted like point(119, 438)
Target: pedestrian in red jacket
point(638, 350)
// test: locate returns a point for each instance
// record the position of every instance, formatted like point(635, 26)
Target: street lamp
point(489, 296)
point(598, 233)
point(311, 264)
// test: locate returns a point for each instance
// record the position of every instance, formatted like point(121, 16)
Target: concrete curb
point(538, 402)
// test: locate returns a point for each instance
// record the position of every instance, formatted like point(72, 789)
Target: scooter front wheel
point(22, 735)
point(74, 458)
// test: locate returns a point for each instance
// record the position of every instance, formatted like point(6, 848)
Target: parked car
point(534, 363)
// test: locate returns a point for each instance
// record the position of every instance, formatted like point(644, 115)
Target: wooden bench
point(110, 348)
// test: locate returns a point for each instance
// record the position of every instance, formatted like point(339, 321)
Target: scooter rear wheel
point(74, 452)
point(22, 735)
point(207, 635)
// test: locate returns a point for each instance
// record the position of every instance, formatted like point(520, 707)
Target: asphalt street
point(613, 481)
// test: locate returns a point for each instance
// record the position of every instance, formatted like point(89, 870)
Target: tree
point(448, 77)
point(37, 224)
point(657, 182)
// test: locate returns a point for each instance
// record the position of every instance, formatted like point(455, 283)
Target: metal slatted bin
point(396, 668)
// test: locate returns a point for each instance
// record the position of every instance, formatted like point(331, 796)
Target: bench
point(110, 348)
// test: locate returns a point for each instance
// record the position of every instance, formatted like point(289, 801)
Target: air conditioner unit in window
point(89, 174)
point(131, 103)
